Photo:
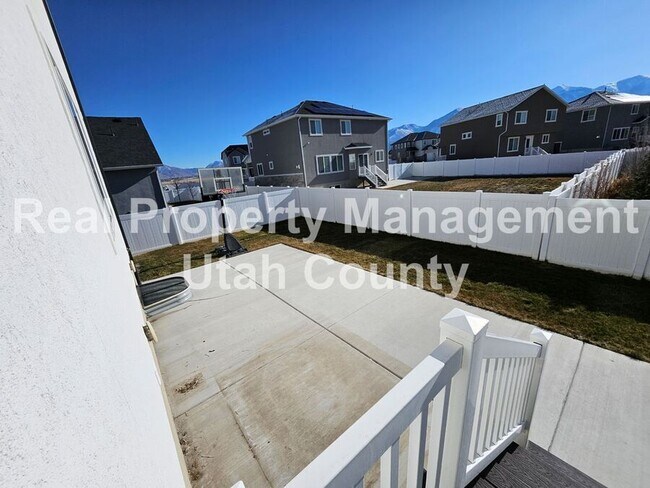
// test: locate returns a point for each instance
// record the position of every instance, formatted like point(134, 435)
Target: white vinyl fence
point(590, 182)
point(617, 239)
point(545, 164)
point(462, 406)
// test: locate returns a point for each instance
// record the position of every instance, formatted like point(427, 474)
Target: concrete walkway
point(262, 380)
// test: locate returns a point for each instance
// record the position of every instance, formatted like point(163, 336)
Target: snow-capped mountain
point(170, 172)
point(637, 85)
point(403, 130)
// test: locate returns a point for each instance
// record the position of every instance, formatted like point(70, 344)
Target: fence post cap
point(465, 323)
point(540, 336)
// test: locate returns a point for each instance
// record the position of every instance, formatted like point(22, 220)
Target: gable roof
point(498, 105)
point(603, 99)
point(242, 148)
point(313, 107)
point(122, 142)
point(417, 136)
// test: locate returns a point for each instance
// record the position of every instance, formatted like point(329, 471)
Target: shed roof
point(122, 142)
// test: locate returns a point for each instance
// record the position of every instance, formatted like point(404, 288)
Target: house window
point(260, 169)
point(499, 120)
point(452, 149)
point(466, 135)
point(353, 161)
point(513, 144)
point(250, 142)
point(546, 138)
point(635, 109)
point(620, 133)
point(329, 163)
point(379, 156)
point(271, 165)
point(346, 127)
point(266, 132)
point(551, 115)
point(521, 117)
point(236, 160)
point(315, 127)
point(588, 115)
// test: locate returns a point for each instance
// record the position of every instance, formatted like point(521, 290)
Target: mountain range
point(170, 172)
point(638, 85)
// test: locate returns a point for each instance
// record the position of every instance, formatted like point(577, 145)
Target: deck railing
point(365, 171)
point(462, 406)
point(380, 173)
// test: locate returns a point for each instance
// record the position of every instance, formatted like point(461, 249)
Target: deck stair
point(531, 467)
point(373, 175)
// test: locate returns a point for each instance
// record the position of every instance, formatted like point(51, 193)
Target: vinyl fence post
point(175, 225)
point(409, 210)
point(545, 235)
point(643, 255)
point(469, 331)
point(333, 200)
point(542, 338)
point(479, 203)
point(266, 207)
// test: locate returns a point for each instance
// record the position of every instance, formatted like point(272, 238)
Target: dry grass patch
point(531, 184)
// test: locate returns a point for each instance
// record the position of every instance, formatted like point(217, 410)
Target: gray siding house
point(416, 147)
point(236, 156)
point(526, 122)
point(603, 120)
point(317, 143)
point(128, 159)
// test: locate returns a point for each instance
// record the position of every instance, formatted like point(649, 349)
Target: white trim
point(341, 127)
point(546, 138)
point(508, 144)
point(356, 147)
point(320, 122)
point(625, 133)
point(266, 132)
point(236, 159)
point(260, 166)
point(250, 142)
point(452, 153)
point(637, 106)
point(299, 116)
point(139, 166)
point(589, 110)
point(553, 111)
point(383, 155)
point(466, 135)
point(352, 161)
point(498, 122)
point(339, 155)
point(270, 165)
point(525, 112)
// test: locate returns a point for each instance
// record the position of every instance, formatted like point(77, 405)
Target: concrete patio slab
point(296, 406)
point(294, 367)
point(604, 429)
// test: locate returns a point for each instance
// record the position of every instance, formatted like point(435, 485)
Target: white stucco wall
point(80, 400)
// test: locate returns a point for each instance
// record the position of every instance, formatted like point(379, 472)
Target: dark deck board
point(534, 467)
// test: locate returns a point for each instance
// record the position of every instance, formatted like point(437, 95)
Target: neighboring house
point(128, 159)
point(415, 147)
point(318, 144)
point(526, 122)
point(604, 120)
point(236, 156)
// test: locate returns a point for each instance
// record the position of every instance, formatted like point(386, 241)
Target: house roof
point(498, 105)
point(357, 145)
point(603, 99)
point(122, 142)
point(242, 148)
point(313, 107)
point(417, 136)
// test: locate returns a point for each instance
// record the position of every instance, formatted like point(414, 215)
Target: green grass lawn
point(606, 310)
point(531, 184)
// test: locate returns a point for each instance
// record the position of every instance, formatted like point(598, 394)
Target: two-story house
point(236, 156)
point(415, 147)
point(526, 122)
point(317, 144)
point(604, 120)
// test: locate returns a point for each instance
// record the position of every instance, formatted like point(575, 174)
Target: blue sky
point(201, 73)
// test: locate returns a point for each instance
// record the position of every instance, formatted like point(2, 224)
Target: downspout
point(602, 146)
point(302, 154)
point(504, 131)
